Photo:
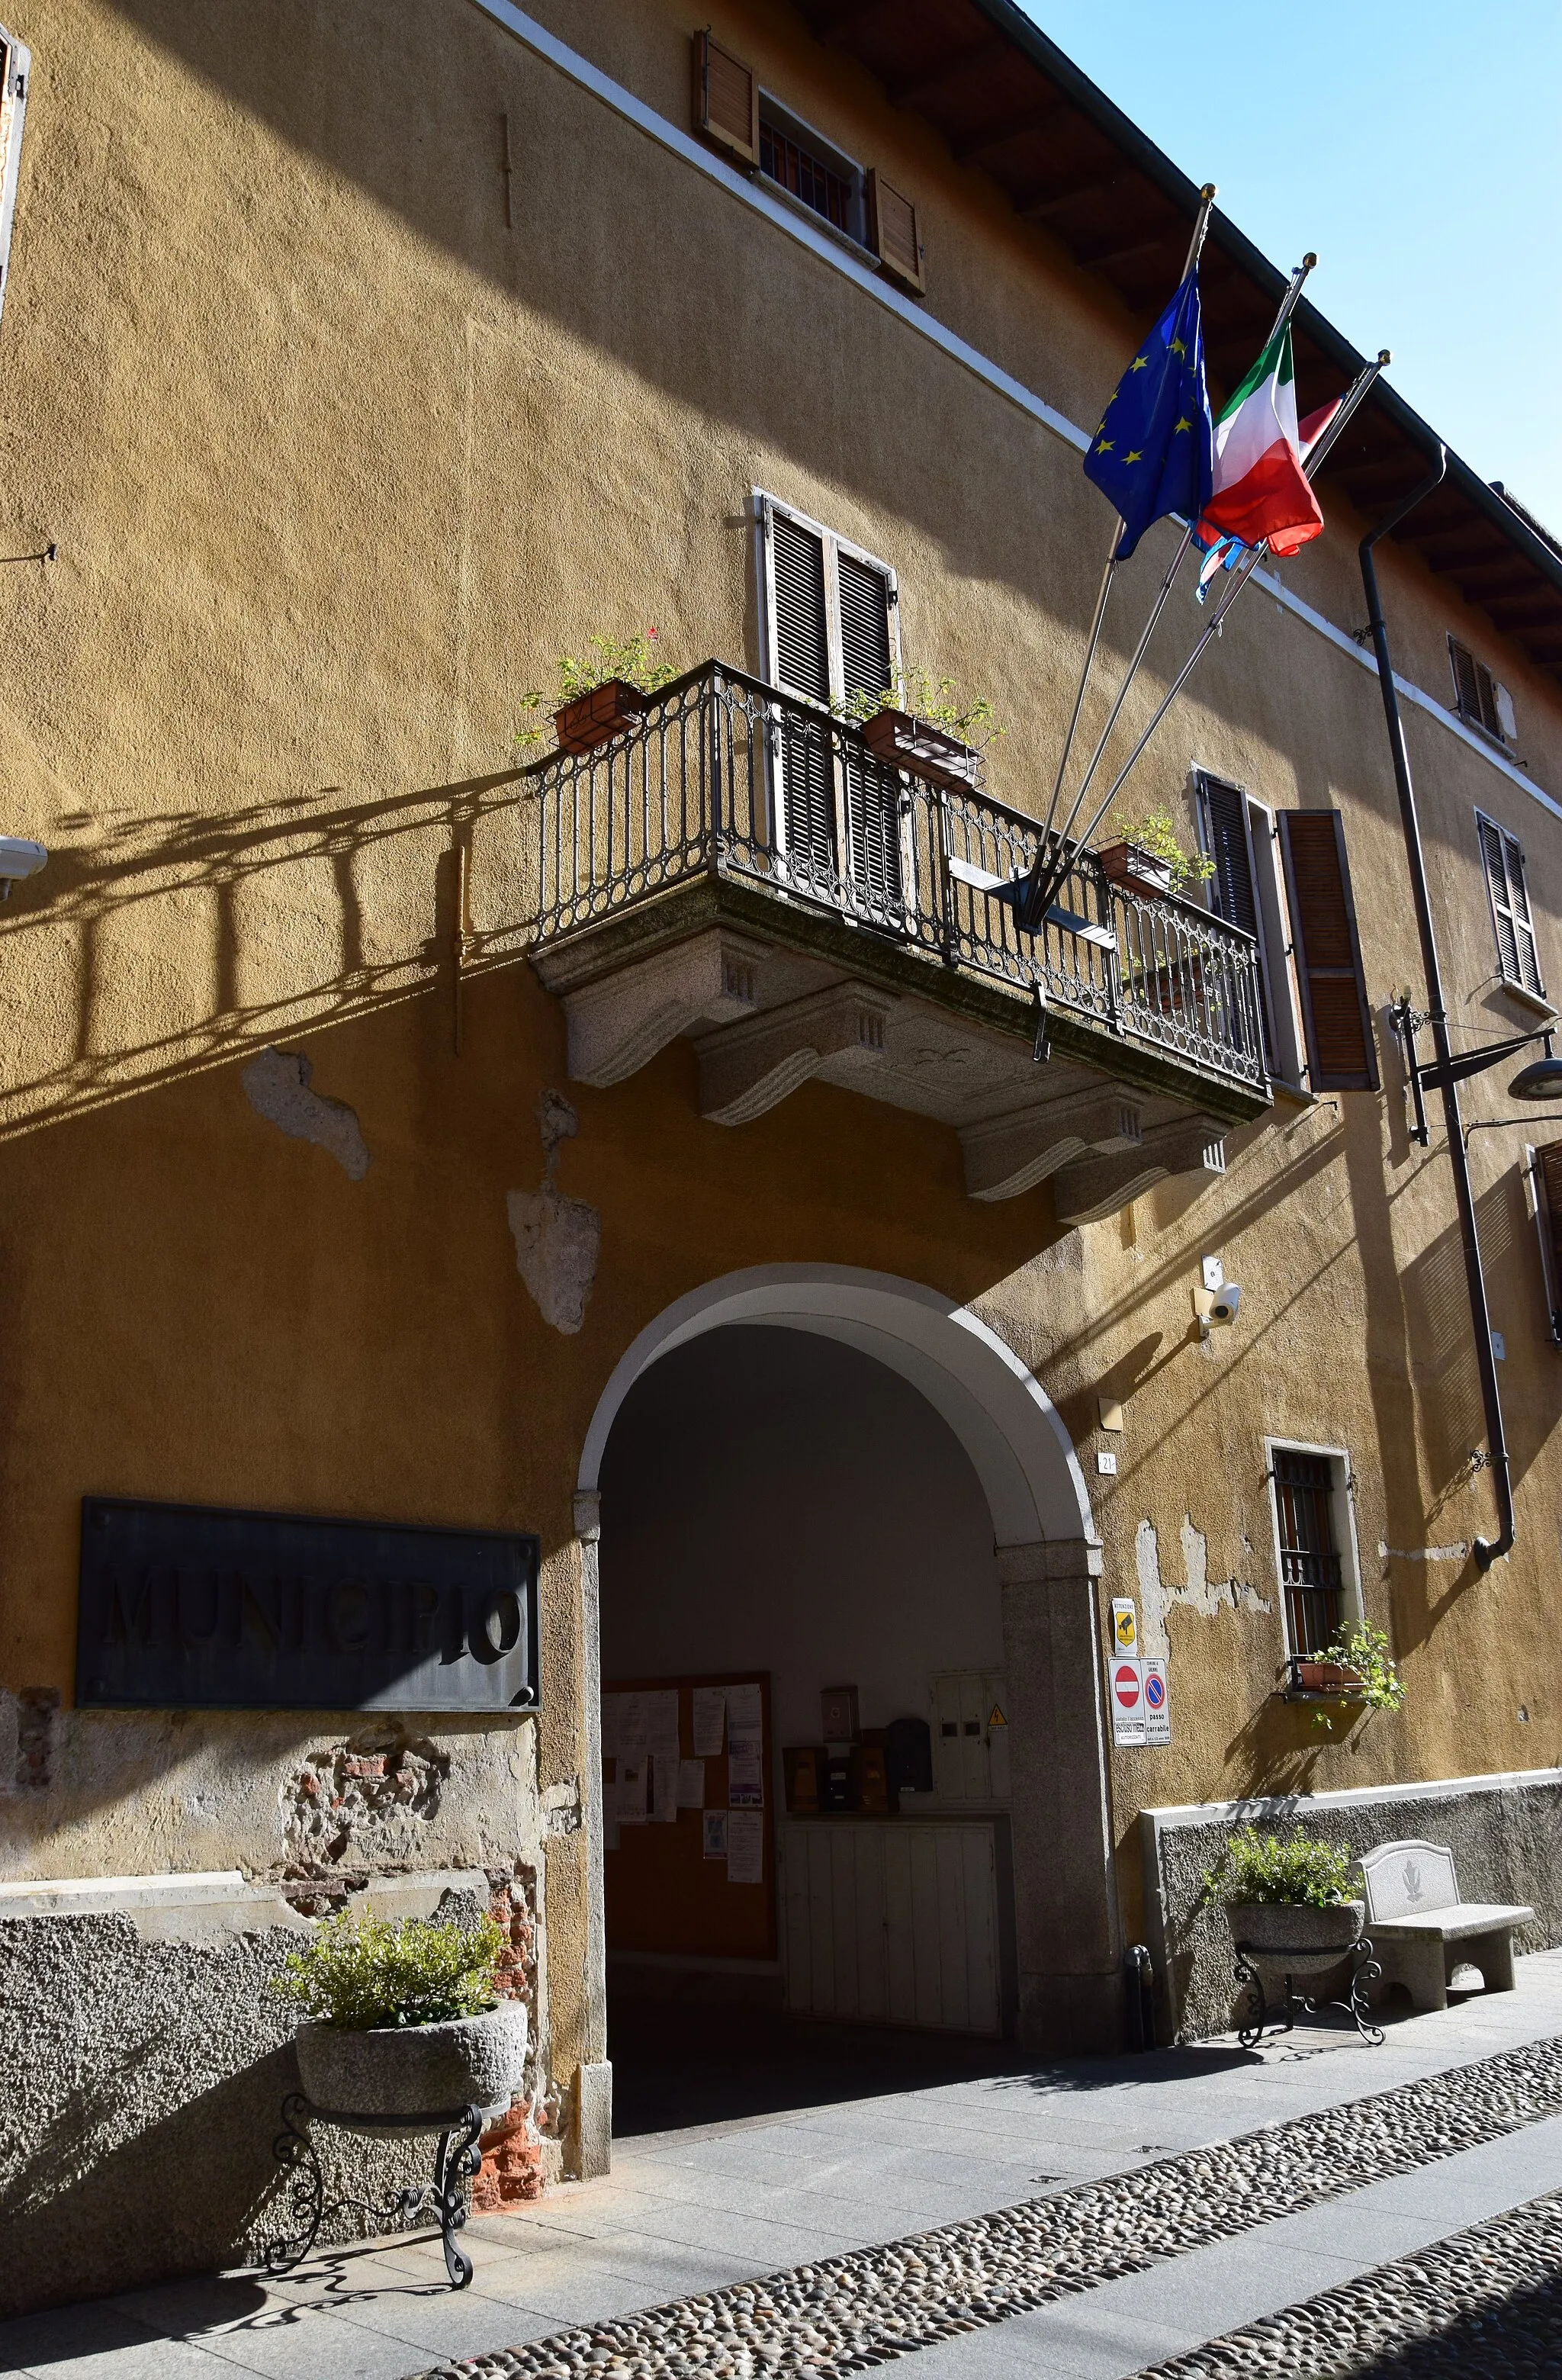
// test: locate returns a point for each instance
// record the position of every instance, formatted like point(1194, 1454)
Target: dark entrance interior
point(783, 1514)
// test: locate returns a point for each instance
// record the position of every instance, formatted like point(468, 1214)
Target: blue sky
point(1417, 147)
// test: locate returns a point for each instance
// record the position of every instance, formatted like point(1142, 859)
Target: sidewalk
point(687, 2211)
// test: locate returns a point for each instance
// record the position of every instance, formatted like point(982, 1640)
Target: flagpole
point(1047, 873)
point(1316, 455)
point(1196, 249)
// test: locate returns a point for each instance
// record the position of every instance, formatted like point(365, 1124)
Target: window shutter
point(726, 100)
point(1225, 817)
point(893, 233)
point(1504, 861)
point(1548, 1218)
point(1340, 1052)
point(865, 628)
point(1467, 693)
point(802, 638)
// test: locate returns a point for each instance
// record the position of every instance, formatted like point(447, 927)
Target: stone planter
point(1292, 1937)
point(1136, 869)
point(598, 716)
point(908, 742)
point(396, 2073)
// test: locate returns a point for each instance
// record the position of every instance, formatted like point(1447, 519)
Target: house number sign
point(185, 1607)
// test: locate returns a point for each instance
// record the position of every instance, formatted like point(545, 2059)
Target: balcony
point(740, 869)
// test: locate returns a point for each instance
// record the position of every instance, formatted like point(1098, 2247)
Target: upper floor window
point(1312, 1536)
point(1478, 697)
point(1512, 922)
point(814, 171)
point(15, 62)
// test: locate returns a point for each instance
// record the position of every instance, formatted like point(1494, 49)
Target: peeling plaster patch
point(362, 1805)
point(558, 1239)
point(276, 1084)
point(1201, 1594)
point(1421, 1553)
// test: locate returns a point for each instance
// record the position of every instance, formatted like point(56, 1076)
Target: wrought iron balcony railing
point(722, 775)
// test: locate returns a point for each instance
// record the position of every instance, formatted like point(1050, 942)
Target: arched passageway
point(808, 1479)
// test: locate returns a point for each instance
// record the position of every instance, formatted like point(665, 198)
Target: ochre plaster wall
point(335, 464)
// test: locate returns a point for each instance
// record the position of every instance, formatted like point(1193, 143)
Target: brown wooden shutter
point(726, 100)
point(893, 233)
point(1340, 1052)
point(1548, 1165)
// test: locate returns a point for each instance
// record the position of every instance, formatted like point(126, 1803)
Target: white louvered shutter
point(873, 822)
point(802, 667)
point(1512, 918)
point(1235, 893)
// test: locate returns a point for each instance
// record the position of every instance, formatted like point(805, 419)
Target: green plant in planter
point(1363, 1650)
point(939, 700)
point(1157, 833)
point(1292, 1869)
point(632, 658)
point(361, 1972)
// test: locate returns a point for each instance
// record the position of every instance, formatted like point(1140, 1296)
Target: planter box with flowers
point(598, 699)
point(596, 718)
point(1136, 868)
point(907, 741)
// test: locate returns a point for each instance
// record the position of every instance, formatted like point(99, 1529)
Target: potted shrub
point(598, 697)
point(1287, 1901)
point(921, 723)
point(403, 2020)
point(1147, 857)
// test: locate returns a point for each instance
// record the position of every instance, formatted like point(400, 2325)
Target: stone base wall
point(146, 2059)
point(1505, 1833)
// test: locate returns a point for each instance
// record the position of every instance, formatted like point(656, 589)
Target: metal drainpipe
point(1487, 1550)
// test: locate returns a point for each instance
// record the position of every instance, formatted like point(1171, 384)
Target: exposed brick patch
point(36, 1709)
point(361, 1806)
point(512, 2148)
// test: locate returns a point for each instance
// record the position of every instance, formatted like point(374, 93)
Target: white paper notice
point(632, 1785)
point(746, 1846)
point(661, 1723)
point(665, 1789)
point(745, 1780)
point(716, 1834)
point(710, 1718)
point(745, 1719)
point(631, 1723)
point(612, 1706)
point(691, 1784)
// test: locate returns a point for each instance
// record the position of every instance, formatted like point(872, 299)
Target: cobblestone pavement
point(846, 2313)
point(1485, 2305)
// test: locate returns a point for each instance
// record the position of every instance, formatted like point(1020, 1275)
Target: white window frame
point(1539, 1213)
point(765, 508)
point(1342, 1512)
point(13, 108)
point(1277, 945)
point(1512, 845)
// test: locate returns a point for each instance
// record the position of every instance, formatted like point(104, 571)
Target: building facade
point(671, 1153)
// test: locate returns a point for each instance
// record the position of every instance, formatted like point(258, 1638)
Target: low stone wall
point(1504, 1832)
point(146, 2057)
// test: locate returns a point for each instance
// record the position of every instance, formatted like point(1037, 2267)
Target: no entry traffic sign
point(1127, 1680)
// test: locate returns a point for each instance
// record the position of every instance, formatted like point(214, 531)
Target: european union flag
point(1154, 451)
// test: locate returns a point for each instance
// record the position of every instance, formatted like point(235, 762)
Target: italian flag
point(1260, 492)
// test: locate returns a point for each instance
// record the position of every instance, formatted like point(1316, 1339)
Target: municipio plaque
point(183, 1606)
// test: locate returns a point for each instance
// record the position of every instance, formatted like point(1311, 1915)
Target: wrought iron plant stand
point(1261, 2013)
point(443, 2200)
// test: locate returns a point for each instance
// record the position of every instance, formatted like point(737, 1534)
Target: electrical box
point(970, 1735)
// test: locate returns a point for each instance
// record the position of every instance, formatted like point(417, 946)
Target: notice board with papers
point(687, 1818)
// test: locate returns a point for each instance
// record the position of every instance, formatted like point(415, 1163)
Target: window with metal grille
point(818, 175)
point(1311, 1573)
point(1478, 696)
point(1512, 922)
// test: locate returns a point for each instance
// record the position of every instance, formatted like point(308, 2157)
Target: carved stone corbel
point(1007, 1154)
point(618, 1024)
point(747, 1068)
point(1096, 1186)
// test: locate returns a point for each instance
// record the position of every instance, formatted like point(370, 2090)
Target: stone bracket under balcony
point(744, 1069)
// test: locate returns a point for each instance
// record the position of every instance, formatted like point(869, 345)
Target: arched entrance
point(1027, 1523)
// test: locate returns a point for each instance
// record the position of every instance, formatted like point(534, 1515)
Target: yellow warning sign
point(995, 1717)
point(1125, 1632)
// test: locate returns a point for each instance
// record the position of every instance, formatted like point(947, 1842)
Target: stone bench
point(1418, 1922)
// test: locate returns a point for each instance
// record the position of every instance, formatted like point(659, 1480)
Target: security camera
point(17, 858)
point(1226, 1305)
